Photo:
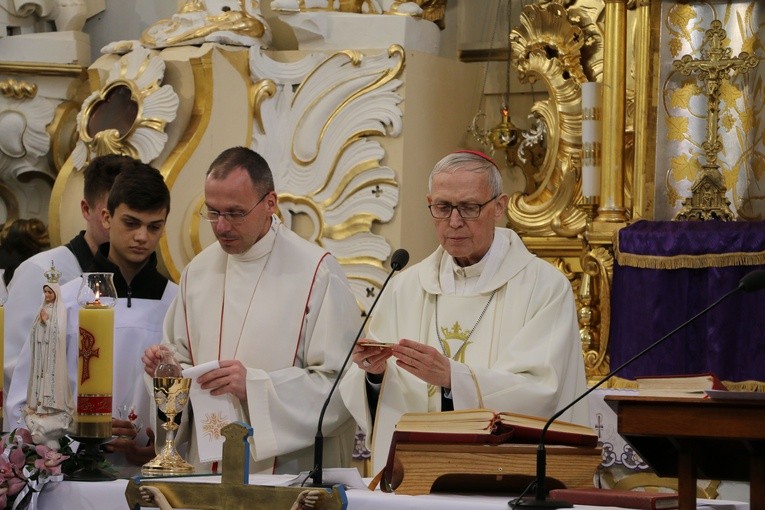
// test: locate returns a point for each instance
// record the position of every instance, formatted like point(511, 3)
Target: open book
point(684, 386)
point(485, 425)
point(479, 427)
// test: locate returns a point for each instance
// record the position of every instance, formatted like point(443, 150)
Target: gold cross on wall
point(708, 199)
point(716, 66)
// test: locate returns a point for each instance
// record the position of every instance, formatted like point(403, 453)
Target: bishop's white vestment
point(512, 339)
point(284, 309)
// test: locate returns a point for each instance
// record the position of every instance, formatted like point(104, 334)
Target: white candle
point(591, 138)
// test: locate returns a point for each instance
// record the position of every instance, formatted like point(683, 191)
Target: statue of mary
point(50, 406)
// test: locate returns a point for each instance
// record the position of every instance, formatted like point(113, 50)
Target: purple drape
point(648, 302)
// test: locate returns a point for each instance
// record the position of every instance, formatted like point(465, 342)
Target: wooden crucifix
point(716, 65)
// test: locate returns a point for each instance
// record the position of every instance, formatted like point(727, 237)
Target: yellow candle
point(2, 360)
point(95, 371)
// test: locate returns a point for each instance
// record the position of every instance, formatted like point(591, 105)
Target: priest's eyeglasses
point(234, 218)
point(442, 211)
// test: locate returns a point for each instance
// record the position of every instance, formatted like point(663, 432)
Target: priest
point(275, 314)
point(481, 322)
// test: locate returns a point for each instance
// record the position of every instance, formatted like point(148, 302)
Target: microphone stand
point(399, 259)
point(751, 281)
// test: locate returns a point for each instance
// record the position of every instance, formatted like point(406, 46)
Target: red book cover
point(522, 429)
point(610, 497)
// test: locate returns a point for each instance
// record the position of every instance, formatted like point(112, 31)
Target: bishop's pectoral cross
point(715, 66)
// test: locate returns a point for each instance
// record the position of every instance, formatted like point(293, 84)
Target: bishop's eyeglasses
point(442, 210)
point(234, 218)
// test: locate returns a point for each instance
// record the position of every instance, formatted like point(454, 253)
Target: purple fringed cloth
point(666, 272)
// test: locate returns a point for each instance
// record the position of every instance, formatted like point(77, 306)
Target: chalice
point(171, 395)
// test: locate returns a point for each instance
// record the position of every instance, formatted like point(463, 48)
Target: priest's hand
point(125, 442)
point(423, 361)
point(151, 358)
point(371, 358)
point(231, 377)
point(123, 429)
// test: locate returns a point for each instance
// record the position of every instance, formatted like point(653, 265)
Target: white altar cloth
point(111, 496)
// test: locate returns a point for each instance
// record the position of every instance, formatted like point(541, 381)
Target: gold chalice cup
point(171, 395)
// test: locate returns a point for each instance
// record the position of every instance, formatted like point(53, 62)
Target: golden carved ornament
point(548, 46)
point(129, 113)
point(107, 122)
point(193, 24)
point(595, 309)
point(15, 89)
point(259, 92)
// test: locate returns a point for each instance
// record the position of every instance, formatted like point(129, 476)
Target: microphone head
point(752, 281)
point(399, 259)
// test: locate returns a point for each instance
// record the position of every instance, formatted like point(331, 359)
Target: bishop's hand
point(371, 359)
point(424, 362)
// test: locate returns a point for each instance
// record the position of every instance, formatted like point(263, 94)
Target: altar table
point(111, 496)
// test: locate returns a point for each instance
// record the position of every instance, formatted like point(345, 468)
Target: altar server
point(70, 259)
point(134, 218)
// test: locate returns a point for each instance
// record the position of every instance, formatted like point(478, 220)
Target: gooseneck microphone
point(398, 261)
point(752, 281)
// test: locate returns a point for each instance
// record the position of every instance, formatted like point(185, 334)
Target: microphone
point(752, 281)
point(398, 261)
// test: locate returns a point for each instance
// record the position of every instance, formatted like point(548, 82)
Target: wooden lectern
point(697, 438)
point(423, 465)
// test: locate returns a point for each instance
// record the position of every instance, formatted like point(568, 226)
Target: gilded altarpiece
point(658, 117)
point(655, 125)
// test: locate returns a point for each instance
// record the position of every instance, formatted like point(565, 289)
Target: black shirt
point(148, 283)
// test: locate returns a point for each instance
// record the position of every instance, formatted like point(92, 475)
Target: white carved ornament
point(320, 140)
point(140, 71)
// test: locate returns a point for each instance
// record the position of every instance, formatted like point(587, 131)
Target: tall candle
point(3, 298)
point(95, 355)
point(591, 138)
point(2, 359)
point(95, 370)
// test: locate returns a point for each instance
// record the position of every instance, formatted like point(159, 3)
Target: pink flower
point(23, 436)
point(50, 460)
point(12, 475)
point(12, 466)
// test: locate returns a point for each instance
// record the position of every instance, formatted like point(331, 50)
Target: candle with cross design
point(97, 297)
point(3, 298)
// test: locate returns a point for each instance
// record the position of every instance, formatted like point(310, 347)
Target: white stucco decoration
point(320, 140)
point(68, 15)
point(142, 71)
point(22, 126)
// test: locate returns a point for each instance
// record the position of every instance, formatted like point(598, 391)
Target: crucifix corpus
point(707, 200)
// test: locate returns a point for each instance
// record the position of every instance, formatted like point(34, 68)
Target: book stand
point(697, 438)
point(424, 463)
